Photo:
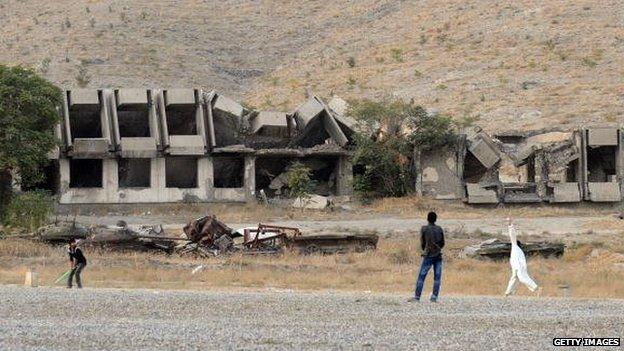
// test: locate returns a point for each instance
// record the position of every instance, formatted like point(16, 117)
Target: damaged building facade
point(190, 145)
point(585, 164)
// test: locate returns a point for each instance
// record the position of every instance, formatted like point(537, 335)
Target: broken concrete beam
point(226, 105)
point(90, 148)
point(566, 192)
point(83, 97)
point(180, 97)
point(186, 145)
point(479, 195)
point(333, 128)
point(270, 123)
point(307, 111)
point(602, 137)
point(138, 148)
point(131, 97)
point(484, 152)
point(314, 202)
point(604, 192)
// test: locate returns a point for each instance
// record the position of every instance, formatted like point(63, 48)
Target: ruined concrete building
point(148, 145)
point(556, 166)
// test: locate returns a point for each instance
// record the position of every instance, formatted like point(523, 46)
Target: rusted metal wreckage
point(586, 164)
point(205, 237)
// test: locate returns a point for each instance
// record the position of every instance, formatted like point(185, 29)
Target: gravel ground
point(60, 319)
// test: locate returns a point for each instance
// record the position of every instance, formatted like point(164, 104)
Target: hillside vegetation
point(503, 65)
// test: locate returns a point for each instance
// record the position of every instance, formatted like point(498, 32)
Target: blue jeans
point(427, 262)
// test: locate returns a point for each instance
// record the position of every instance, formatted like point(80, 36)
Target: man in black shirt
point(77, 262)
point(431, 242)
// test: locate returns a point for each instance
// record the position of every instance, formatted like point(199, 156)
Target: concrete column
point(209, 181)
point(63, 176)
point(344, 176)
point(158, 179)
point(250, 177)
point(110, 179)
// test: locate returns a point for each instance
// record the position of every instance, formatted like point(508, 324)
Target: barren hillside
point(516, 64)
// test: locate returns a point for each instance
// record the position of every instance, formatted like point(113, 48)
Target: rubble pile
point(496, 249)
point(204, 237)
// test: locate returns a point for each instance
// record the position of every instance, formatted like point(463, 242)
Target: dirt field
point(111, 319)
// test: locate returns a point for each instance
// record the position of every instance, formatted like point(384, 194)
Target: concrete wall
point(157, 192)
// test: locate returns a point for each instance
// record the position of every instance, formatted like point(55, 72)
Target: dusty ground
point(105, 319)
point(523, 65)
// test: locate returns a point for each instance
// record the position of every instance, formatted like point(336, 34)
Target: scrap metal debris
point(206, 237)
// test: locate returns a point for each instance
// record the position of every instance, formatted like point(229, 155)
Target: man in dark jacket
point(77, 261)
point(431, 242)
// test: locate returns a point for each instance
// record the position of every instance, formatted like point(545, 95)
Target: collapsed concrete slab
point(270, 123)
point(566, 192)
point(604, 192)
point(480, 195)
point(227, 120)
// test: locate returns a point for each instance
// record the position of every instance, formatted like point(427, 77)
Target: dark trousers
point(75, 272)
point(426, 264)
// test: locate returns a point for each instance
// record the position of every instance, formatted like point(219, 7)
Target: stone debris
point(496, 249)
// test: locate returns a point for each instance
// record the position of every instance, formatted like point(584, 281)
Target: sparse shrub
point(397, 54)
point(29, 210)
point(67, 22)
point(143, 15)
point(423, 39)
point(589, 62)
point(351, 61)
point(92, 22)
point(300, 183)
point(87, 9)
point(441, 87)
point(401, 256)
point(380, 59)
point(417, 73)
point(467, 120)
point(45, 65)
point(122, 16)
point(82, 77)
point(351, 81)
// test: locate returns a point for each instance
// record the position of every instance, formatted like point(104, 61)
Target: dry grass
point(392, 268)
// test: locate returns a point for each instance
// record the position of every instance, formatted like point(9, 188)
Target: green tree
point(383, 156)
point(28, 113)
point(300, 183)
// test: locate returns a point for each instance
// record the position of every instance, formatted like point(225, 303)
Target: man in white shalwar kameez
point(518, 263)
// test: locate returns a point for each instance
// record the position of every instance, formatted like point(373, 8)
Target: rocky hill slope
point(525, 64)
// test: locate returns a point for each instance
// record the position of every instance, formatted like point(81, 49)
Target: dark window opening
point(181, 172)
point(50, 181)
point(85, 121)
point(270, 175)
point(133, 121)
point(181, 119)
point(571, 172)
point(85, 173)
point(601, 164)
point(229, 172)
point(134, 172)
point(473, 169)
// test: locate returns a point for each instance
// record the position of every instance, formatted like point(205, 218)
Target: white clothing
point(518, 263)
